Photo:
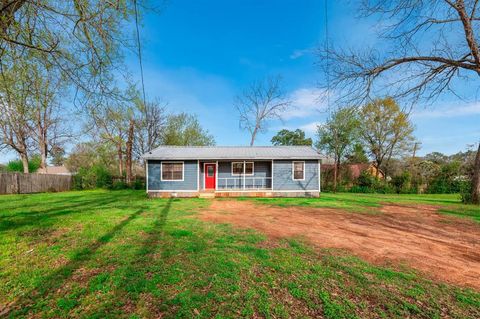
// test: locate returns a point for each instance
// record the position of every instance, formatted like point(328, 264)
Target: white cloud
point(299, 53)
point(449, 110)
point(306, 102)
point(310, 127)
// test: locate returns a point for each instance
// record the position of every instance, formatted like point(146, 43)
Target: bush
point(401, 183)
point(466, 192)
point(118, 185)
point(94, 177)
point(17, 165)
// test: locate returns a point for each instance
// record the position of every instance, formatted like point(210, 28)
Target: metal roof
point(232, 153)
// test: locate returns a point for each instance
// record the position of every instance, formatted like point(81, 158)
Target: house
point(209, 171)
point(54, 170)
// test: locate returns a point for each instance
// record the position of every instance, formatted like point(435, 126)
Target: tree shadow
point(54, 281)
point(39, 216)
point(135, 276)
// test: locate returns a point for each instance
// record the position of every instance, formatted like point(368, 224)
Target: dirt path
point(443, 247)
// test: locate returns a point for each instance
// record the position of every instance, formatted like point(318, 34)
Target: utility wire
point(139, 46)
point(327, 54)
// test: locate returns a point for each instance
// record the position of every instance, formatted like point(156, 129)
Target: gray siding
point(283, 180)
point(189, 182)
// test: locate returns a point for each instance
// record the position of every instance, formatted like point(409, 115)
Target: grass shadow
point(54, 281)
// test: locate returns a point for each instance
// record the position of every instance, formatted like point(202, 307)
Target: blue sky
point(199, 54)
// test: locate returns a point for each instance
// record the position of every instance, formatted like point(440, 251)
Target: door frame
point(205, 173)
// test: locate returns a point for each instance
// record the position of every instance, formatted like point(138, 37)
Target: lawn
point(100, 254)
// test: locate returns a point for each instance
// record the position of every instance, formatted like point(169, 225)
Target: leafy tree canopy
point(287, 137)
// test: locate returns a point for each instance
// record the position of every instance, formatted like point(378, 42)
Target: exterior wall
point(189, 183)
point(283, 176)
point(235, 194)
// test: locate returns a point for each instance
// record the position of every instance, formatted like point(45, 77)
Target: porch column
point(244, 163)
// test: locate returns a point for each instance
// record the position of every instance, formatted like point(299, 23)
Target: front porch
point(235, 176)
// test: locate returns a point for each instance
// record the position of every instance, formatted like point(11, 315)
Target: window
point(172, 171)
point(298, 170)
point(237, 168)
point(210, 171)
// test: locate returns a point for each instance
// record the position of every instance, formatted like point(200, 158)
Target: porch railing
point(244, 183)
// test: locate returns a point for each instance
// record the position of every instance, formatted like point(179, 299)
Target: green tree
point(386, 130)
point(287, 137)
point(337, 136)
point(185, 129)
point(357, 154)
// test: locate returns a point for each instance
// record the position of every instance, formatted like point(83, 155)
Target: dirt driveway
point(442, 247)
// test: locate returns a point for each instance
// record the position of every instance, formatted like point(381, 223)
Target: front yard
point(99, 254)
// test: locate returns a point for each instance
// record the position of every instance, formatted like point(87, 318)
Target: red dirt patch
point(443, 247)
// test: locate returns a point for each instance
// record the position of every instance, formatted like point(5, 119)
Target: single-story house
point(54, 170)
point(209, 171)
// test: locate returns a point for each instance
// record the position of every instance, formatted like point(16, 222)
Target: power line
point(327, 54)
point(139, 46)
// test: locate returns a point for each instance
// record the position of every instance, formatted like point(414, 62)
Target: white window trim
point(241, 174)
point(172, 180)
point(293, 171)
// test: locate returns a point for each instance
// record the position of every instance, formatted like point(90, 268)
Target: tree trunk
point(24, 158)
point(120, 159)
point(335, 170)
point(476, 179)
point(254, 135)
point(129, 148)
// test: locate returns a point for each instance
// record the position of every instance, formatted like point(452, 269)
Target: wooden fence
point(18, 183)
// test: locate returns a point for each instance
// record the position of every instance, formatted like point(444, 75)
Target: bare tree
point(107, 120)
point(261, 102)
point(150, 126)
point(428, 45)
point(48, 130)
point(15, 111)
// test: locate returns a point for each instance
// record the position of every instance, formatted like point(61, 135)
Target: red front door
point(210, 176)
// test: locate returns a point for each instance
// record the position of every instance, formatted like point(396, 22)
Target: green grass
point(369, 203)
point(101, 254)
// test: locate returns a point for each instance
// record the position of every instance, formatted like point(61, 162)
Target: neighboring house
point(54, 170)
point(209, 171)
point(355, 170)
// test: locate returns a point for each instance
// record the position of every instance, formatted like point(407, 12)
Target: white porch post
point(244, 174)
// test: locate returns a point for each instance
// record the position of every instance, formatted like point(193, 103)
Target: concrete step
point(206, 195)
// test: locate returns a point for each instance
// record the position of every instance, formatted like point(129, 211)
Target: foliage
point(117, 254)
point(338, 135)
point(357, 154)
point(401, 182)
point(447, 180)
point(58, 156)
point(386, 130)
point(17, 165)
point(89, 154)
point(96, 176)
point(185, 130)
point(287, 137)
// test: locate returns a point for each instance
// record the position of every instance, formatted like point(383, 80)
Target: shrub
point(401, 183)
point(17, 165)
point(466, 192)
point(94, 177)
